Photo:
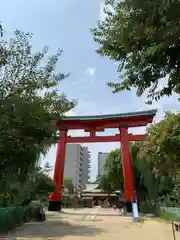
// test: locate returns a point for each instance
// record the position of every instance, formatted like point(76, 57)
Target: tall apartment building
point(101, 162)
point(86, 165)
point(77, 164)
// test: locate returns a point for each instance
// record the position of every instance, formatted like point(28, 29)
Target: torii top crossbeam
point(132, 119)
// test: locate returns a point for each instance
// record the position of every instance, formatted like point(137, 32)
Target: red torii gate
point(93, 124)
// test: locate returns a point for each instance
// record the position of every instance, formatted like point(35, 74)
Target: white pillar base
point(135, 211)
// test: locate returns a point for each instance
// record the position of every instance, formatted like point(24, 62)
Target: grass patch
point(169, 216)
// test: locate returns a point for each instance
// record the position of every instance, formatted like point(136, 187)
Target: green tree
point(1, 30)
point(67, 183)
point(163, 144)
point(37, 186)
point(162, 148)
point(47, 168)
point(143, 37)
point(105, 184)
point(98, 179)
point(147, 184)
point(176, 188)
point(65, 194)
point(30, 104)
point(3, 50)
point(113, 170)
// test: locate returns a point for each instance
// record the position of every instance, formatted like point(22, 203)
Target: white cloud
point(90, 71)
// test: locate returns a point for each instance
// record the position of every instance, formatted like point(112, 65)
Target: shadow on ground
point(52, 229)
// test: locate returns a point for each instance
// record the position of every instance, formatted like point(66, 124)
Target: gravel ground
point(91, 224)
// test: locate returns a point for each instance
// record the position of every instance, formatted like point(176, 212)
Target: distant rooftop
point(91, 187)
point(111, 116)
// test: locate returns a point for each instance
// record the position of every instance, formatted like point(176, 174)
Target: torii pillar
point(56, 197)
point(129, 185)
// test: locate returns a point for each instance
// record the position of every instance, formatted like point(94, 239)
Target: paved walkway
point(93, 224)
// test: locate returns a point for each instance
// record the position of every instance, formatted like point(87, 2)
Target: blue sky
point(66, 24)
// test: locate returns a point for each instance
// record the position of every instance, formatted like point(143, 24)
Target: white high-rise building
point(101, 162)
point(77, 165)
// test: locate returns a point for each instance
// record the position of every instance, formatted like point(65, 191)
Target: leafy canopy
point(68, 184)
point(3, 50)
point(29, 105)
point(37, 186)
point(113, 171)
point(163, 144)
point(148, 185)
point(143, 37)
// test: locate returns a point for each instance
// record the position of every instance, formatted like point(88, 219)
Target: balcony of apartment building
point(80, 174)
point(81, 155)
point(78, 179)
point(79, 183)
point(81, 151)
point(80, 166)
point(80, 161)
point(80, 171)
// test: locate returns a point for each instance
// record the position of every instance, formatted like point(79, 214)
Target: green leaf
point(143, 36)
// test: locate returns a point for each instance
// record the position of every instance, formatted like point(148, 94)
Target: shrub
point(11, 217)
point(14, 216)
point(169, 216)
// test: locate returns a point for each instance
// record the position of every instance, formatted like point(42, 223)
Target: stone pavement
point(93, 224)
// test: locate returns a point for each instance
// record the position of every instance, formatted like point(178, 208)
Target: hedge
point(170, 214)
point(12, 217)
